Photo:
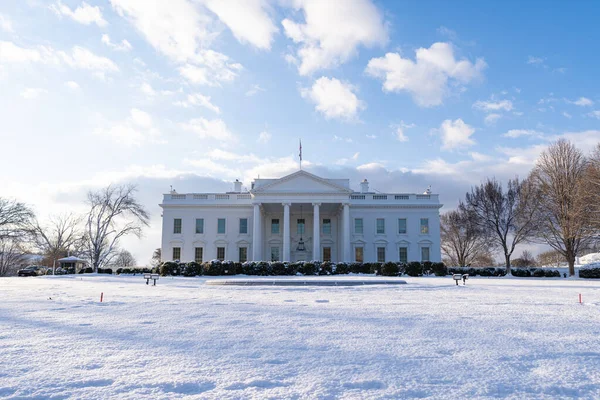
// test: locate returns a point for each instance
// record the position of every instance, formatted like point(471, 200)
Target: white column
point(256, 234)
point(286, 232)
point(316, 232)
point(346, 235)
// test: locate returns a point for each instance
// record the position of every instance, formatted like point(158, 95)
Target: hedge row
point(134, 270)
point(478, 271)
point(590, 273)
point(263, 268)
point(535, 272)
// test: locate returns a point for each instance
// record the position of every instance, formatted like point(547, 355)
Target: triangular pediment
point(301, 182)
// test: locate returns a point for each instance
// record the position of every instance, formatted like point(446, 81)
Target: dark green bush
point(439, 269)
point(360, 268)
point(308, 268)
point(389, 269)
point(326, 268)
point(427, 267)
point(168, 268)
point(589, 273)
point(414, 268)
point(191, 269)
point(341, 268)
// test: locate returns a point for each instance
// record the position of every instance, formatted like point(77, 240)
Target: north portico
point(301, 217)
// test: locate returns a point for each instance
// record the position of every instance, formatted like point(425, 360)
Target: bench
point(458, 277)
point(154, 277)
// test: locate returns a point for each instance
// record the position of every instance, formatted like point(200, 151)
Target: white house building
point(301, 217)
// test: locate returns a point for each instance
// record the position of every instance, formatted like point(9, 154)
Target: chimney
point(364, 186)
point(237, 186)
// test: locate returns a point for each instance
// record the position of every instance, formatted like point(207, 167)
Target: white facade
point(266, 223)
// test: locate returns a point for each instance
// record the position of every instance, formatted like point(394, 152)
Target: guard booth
point(72, 264)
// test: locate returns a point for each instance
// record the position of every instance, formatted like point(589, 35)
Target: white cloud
point(374, 166)
point(337, 138)
point(371, 136)
point(208, 129)
point(515, 133)
point(489, 106)
point(581, 102)
point(456, 134)
point(84, 14)
point(332, 31)
point(215, 68)
point(535, 60)
point(197, 99)
point(248, 20)
point(11, 53)
point(136, 130)
point(82, 58)
point(6, 24)
point(72, 85)
point(32, 93)
point(333, 98)
point(264, 137)
point(428, 78)
point(400, 136)
point(147, 89)
point(255, 89)
point(595, 114)
point(123, 46)
point(567, 115)
point(491, 119)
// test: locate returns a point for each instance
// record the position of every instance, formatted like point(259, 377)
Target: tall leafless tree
point(124, 259)
point(12, 256)
point(61, 235)
point(114, 213)
point(156, 258)
point(566, 218)
point(463, 240)
point(506, 216)
point(14, 217)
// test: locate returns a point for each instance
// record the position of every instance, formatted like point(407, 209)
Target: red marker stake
point(102, 295)
point(580, 298)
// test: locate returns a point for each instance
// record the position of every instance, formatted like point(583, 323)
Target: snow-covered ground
point(494, 337)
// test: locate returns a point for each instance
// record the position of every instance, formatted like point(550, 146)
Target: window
point(176, 253)
point(243, 225)
point(199, 225)
point(380, 226)
point(326, 253)
point(177, 225)
point(401, 225)
point(424, 253)
point(301, 226)
point(381, 254)
point(275, 226)
point(358, 254)
point(221, 226)
point(424, 226)
point(243, 253)
point(358, 226)
point(221, 253)
point(198, 253)
point(326, 226)
point(403, 254)
point(274, 253)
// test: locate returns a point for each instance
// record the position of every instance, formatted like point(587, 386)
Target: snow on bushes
point(590, 271)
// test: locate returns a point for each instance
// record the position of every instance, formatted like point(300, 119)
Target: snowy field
point(493, 338)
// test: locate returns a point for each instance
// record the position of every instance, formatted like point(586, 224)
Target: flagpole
point(300, 140)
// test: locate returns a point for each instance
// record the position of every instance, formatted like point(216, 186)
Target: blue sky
point(195, 94)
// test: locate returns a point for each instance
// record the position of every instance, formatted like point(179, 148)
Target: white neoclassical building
point(301, 217)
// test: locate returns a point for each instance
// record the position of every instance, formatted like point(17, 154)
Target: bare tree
point(14, 216)
point(565, 220)
point(526, 259)
point(463, 240)
point(59, 236)
point(156, 258)
point(550, 257)
point(12, 256)
point(114, 213)
point(507, 217)
point(124, 259)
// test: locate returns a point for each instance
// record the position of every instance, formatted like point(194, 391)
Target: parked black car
point(33, 270)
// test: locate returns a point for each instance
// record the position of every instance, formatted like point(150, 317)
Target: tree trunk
point(507, 258)
point(571, 261)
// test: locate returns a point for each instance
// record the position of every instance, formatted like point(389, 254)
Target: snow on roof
point(71, 259)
